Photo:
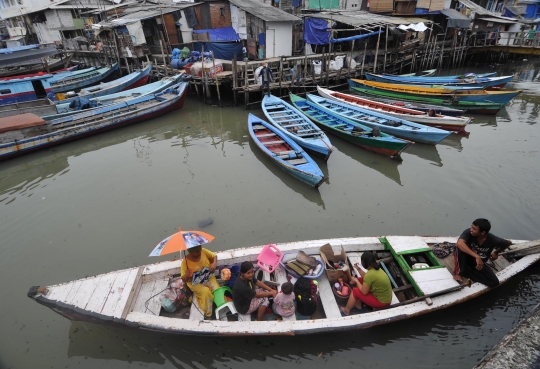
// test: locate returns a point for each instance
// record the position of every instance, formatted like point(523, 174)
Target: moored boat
point(32, 68)
point(76, 81)
point(135, 79)
point(423, 73)
point(22, 136)
point(25, 89)
point(477, 101)
point(353, 132)
point(478, 82)
point(393, 126)
point(284, 152)
point(433, 119)
point(131, 297)
point(299, 128)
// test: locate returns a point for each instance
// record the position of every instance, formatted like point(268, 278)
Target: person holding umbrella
point(197, 268)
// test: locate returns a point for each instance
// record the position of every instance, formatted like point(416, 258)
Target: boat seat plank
point(297, 161)
point(500, 263)
point(124, 302)
point(273, 142)
point(116, 291)
point(148, 299)
point(256, 127)
point(287, 119)
point(279, 153)
point(407, 244)
point(330, 306)
point(356, 257)
point(293, 125)
point(99, 297)
point(433, 280)
point(266, 135)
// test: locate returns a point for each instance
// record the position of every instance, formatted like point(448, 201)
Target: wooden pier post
point(377, 51)
point(235, 78)
point(385, 49)
point(363, 59)
point(215, 77)
point(350, 59)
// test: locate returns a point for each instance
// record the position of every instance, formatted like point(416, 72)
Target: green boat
point(355, 133)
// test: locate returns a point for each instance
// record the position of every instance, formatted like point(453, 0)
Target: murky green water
point(102, 203)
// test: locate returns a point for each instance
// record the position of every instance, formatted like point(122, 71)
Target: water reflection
point(454, 141)
point(309, 193)
point(384, 165)
point(481, 321)
point(426, 152)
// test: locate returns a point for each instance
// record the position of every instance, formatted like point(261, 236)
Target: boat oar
point(425, 297)
point(523, 249)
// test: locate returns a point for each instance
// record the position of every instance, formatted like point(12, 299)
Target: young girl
point(284, 301)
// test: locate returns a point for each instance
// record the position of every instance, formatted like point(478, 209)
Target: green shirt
point(379, 285)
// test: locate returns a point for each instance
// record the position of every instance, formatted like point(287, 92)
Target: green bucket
point(219, 295)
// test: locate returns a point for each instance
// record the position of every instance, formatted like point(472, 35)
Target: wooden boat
point(285, 152)
point(351, 131)
point(456, 124)
point(481, 102)
point(135, 79)
point(38, 107)
point(131, 297)
point(59, 71)
point(25, 89)
point(297, 127)
point(20, 137)
point(81, 80)
point(35, 67)
point(479, 83)
point(63, 109)
point(438, 109)
point(393, 126)
point(424, 73)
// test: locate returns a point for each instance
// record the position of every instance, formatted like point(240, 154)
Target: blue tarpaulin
point(357, 37)
point(10, 50)
point(225, 34)
point(316, 31)
point(222, 50)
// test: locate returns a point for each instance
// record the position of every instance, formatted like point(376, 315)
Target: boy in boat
point(284, 301)
point(473, 249)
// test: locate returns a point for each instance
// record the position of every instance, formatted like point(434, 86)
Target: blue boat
point(135, 79)
point(296, 126)
point(69, 108)
point(76, 80)
point(283, 151)
point(387, 124)
point(25, 89)
point(35, 133)
point(475, 82)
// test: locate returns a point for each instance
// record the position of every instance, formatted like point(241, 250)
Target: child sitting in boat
point(373, 288)
point(197, 271)
point(247, 298)
point(284, 301)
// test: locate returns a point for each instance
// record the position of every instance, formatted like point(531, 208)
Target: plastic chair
point(219, 295)
point(225, 309)
point(269, 258)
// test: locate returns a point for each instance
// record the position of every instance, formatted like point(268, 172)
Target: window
point(222, 12)
point(6, 91)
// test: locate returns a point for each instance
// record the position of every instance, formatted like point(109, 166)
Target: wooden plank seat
point(292, 125)
point(267, 135)
point(305, 130)
point(256, 127)
point(297, 161)
point(328, 301)
point(284, 152)
point(292, 119)
point(273, 142)
point(314, 133)
point(273, 107)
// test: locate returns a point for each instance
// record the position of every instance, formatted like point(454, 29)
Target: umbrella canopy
point(182, 240)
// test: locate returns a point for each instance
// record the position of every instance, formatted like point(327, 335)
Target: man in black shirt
point(473, 249)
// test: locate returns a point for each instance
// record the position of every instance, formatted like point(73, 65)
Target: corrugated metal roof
point(364, 19)
point(137, 13)
point(499, 20)
point(482, 11)
point(264, 11)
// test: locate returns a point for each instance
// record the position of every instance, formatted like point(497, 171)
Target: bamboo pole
point(385, 49)
point(363, 59)
point(235, 78)
point(215, 77)
point(350, 58)
point(377, 51)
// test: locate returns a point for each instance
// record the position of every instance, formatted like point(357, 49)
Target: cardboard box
point(327, 254)
point(211, 71)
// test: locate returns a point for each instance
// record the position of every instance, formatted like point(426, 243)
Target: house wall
point(238, 21)
point(351, 4)
point(46, 35)
point(278, 39)
point(186, 30)
point(220, 14)
point(60, 19)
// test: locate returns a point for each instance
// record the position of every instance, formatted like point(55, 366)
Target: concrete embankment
point(518, 349)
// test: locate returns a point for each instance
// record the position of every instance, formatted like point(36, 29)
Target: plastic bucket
point(342, 300)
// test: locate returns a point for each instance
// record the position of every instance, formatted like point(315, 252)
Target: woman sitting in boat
point(373, 288)
point(197, 271)
point(246, 297)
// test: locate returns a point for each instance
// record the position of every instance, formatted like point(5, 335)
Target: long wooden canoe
point(356, 133)
point(284, 152)
point(432, 119)
point(393, 126)
point(480, 82)
point(297, 127)
point(78, 81)
point(131, 297)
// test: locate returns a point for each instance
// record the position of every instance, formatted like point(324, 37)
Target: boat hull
point(82, 81)
point(8, 151)
point(485, 82)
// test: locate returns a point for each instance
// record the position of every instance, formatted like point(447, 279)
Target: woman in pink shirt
point(284, 301)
